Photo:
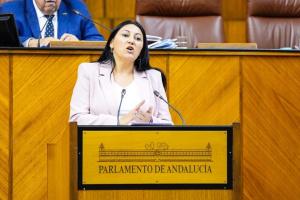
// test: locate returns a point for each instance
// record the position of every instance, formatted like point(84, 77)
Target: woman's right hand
point(131, 115)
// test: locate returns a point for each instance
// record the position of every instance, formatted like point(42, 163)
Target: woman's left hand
point(141, 116)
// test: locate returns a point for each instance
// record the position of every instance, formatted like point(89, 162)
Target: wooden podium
point(258, 88)
point(157, 161)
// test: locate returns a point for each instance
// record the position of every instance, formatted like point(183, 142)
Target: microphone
point(119, 109)
point(156, 93)
point(88, 18)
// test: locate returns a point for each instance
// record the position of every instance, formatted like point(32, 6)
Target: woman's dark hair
point(142, 61)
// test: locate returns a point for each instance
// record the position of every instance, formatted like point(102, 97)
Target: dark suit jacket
point(68, 22)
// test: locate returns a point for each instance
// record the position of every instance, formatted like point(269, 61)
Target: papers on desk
point(156, 42)
point(163, 44)
point(153, 38)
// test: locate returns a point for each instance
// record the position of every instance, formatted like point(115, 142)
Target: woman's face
point(127, 43)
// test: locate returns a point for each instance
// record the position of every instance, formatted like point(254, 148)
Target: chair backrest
point(198, 21)
point(274, 23)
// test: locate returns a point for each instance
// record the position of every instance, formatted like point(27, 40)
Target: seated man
point(42, 21)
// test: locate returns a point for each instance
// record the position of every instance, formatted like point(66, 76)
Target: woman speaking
point(119, 88)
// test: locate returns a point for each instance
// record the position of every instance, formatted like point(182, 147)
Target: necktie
point(49, 28)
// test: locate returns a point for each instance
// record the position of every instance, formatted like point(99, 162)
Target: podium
point(155, 160)
point(258, 88)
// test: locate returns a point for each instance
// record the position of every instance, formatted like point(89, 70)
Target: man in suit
point(42, 21)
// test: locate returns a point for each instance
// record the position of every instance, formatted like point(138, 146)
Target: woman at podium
point(121, 88)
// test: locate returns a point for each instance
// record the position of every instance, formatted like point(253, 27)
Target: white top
point(131, 98)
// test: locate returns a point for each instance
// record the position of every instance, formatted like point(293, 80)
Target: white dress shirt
point(42, 23)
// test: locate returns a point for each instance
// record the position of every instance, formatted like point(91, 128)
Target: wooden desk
point(260, 89)
point(78, 44)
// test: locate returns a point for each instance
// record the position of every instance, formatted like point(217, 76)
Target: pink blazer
point(91, 100)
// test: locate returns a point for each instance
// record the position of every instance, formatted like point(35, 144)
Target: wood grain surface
point(259, 89)
point(5, 163)
point(41, 94)
point(271, 127)
point(205, 89)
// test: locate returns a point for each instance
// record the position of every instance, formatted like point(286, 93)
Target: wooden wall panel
point(58, 168)
point(234, 14)
point(234, 9)
point(4, 127)
point(42, 90)
point(120, 8)
point(156, 194)
point(235, 31)
point(96, 8)
point(271, 127)
point(207, 84)
point(159, 62)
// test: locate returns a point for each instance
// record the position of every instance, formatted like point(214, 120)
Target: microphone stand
point(156, 93)
point(85, 17)
point(119, 109)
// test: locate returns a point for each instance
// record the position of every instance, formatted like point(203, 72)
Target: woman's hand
point(137, 115)
point(130, 116)
point(141, 116)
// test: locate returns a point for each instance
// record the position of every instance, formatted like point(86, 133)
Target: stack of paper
point(163, 44)
point(153, 38)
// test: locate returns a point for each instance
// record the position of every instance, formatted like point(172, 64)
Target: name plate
point(155, 157)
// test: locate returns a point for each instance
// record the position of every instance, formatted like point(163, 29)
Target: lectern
point(149, 158)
